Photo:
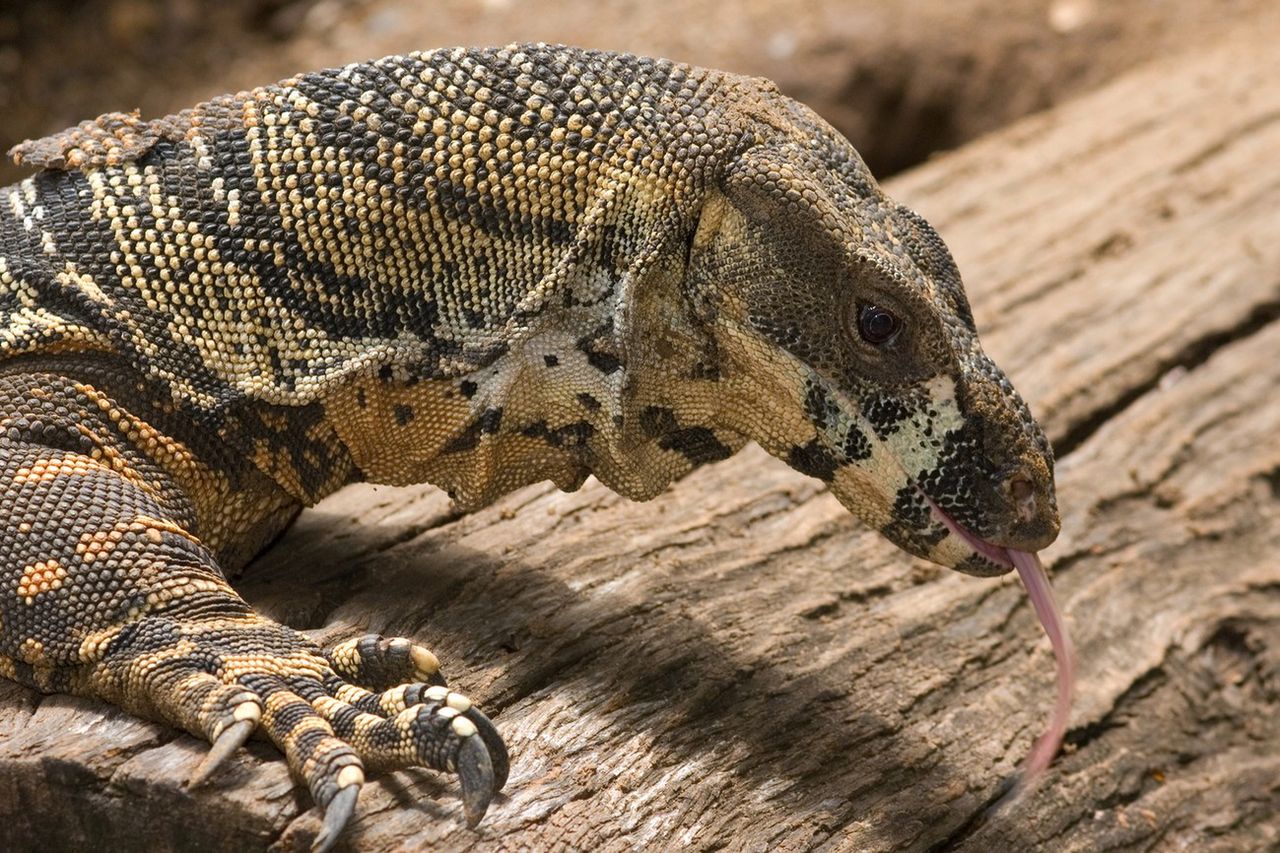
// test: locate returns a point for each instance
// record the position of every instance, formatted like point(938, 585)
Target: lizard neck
point(628, 388)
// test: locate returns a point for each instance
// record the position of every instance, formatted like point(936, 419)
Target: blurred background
point(901, 78)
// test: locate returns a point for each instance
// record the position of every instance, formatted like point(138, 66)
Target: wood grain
point(737, 664)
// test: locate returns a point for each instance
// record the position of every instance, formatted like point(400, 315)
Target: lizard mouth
point(1040, 592)
point(997, 554)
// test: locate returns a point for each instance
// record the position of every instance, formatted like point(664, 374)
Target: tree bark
point(738, 664)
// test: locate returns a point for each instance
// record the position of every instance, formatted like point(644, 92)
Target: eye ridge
point(877, 325)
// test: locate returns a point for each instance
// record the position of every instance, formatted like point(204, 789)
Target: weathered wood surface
point(738, 664)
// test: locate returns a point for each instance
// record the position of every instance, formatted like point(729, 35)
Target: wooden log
point(738, 664)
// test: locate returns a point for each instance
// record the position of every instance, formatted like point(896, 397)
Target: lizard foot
point(225, 678)
point(391, 664)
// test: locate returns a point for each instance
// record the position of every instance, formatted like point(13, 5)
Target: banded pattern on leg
point(107, 590)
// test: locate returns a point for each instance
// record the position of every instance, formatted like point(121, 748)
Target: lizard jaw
point(997, 554)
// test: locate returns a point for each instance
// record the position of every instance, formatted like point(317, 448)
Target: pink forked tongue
point(1041, 595)
point(1042, 600)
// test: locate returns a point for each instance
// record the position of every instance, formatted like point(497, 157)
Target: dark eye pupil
point(876, 324)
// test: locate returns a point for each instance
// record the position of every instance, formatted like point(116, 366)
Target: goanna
point(472, 268)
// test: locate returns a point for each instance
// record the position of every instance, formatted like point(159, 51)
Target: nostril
point(1024, 495)
point(1021, 488)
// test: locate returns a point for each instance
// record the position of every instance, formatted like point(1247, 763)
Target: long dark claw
point(231, 739)
point(475, 771)
point(336, 815)
point(493, 742)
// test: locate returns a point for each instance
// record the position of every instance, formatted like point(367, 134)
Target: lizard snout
point(1032, 523)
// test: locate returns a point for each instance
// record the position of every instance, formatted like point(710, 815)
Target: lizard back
point(343, 236)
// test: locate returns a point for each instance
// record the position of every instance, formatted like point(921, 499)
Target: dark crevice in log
point(976, 819)
point(1147, 683)
point(1191, 356)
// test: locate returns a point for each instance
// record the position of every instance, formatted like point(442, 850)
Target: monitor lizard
point(475, 268)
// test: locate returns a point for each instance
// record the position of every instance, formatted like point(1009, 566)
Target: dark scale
point(813, 459)
point(884, 412)
point(698, 444)
point(910, 527)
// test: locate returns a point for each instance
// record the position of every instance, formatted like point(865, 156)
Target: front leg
point(111, 595)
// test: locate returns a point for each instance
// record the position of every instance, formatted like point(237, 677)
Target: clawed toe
point(336, 815)
point(493, 742)
point(232, 738)
point(377, 663)
point(475, 771)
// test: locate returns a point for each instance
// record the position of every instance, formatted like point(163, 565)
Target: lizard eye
point(876, 325)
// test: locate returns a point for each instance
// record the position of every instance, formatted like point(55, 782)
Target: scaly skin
point(473, 268)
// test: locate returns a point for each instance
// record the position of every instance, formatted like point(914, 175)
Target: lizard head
point(847, 313)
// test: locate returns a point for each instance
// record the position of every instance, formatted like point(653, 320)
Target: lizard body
point(473, 268)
